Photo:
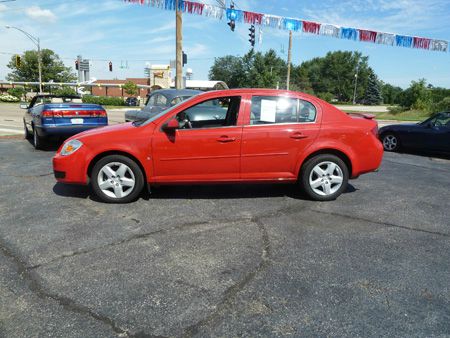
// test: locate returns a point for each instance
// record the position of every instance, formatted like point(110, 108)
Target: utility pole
point(288, 78)
point(356, 83)
point(39, 64)
point(179, 48)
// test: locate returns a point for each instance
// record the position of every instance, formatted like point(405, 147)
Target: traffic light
point(77, 65)
point(18, 61)
point(110, 66)
point(232, 17)
point(252, 35)
point(184, 58)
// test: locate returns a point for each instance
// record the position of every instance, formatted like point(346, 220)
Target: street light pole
point(356, 84)
point(37, 42)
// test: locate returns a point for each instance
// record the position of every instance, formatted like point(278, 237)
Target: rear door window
point(279, 109)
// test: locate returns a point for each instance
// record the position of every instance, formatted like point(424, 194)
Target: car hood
point(117, 128)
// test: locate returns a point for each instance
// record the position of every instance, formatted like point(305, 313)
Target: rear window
point(280, 109)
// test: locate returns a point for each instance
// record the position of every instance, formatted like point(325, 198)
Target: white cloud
point(163, 28)
point(39, 14)
point(196, 50)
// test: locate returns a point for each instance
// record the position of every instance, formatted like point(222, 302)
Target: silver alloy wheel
point(390, 142)
point(326, 178)
point(116, 180)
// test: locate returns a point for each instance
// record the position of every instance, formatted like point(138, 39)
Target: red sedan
point(241, 135)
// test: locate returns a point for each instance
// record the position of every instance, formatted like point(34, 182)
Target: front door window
point(214, 113)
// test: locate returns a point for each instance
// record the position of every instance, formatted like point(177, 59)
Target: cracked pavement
point(222, 261)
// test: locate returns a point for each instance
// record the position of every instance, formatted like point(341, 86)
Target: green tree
point(255, 70)
point(335, 74)
point(373, 91)
point(390, 93)
point(417, 96)
point(52, 68)
point(130, 88)
point(300, 80)
point(229, 69)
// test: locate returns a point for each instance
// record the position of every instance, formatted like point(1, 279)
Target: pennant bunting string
point(293, 24)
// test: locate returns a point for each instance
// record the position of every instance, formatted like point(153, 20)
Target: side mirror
point(171, 126)
point(24, 106)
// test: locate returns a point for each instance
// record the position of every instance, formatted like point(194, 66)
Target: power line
point(118, 60)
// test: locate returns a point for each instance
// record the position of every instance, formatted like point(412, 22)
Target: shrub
point(66, 91)
point(443, 105)
point(396, 109)
point(104, 100)
point(18, 92)
point(8, 98)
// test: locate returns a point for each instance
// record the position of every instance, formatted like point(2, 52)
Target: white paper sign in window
point(268, 110)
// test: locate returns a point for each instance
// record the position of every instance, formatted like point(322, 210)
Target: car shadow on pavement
point(50, 145)
point(222, 191)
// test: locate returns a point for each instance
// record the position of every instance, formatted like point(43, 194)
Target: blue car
point(50, 115)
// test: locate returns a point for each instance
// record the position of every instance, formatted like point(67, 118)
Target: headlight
point(70, 147)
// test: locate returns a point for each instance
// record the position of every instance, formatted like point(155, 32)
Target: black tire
point(136, 172)
point(307, 172)
point(38, 141)
point(388, 140)
point(26, 133)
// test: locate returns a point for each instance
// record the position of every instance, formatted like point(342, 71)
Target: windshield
point(161, 113)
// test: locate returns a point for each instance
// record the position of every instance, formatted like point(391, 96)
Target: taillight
point(47, 113)
point(78, 113)
point(98, 113)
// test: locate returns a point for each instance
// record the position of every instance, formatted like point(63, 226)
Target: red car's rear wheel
point(324, 177)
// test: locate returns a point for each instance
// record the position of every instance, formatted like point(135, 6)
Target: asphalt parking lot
point(225, 261)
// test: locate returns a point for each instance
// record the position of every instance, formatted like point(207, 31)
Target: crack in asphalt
point(286, 210)
point(386, 224)
point(67, 303)
point(182, 226)
point(71, 305)
point(230, 294)
point(27, 176)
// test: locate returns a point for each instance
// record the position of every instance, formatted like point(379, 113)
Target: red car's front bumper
point(71, 168)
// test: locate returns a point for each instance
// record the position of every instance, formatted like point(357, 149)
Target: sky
point(134, 35)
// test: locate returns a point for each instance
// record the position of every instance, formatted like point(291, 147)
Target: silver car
point(159, 100)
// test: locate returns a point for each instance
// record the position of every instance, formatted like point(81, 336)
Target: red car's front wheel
point(117, 179)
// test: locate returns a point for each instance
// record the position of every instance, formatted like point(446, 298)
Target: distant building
point(100, 90)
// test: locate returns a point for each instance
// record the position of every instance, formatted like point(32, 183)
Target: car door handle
point(298, 136)
point(225, 139)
